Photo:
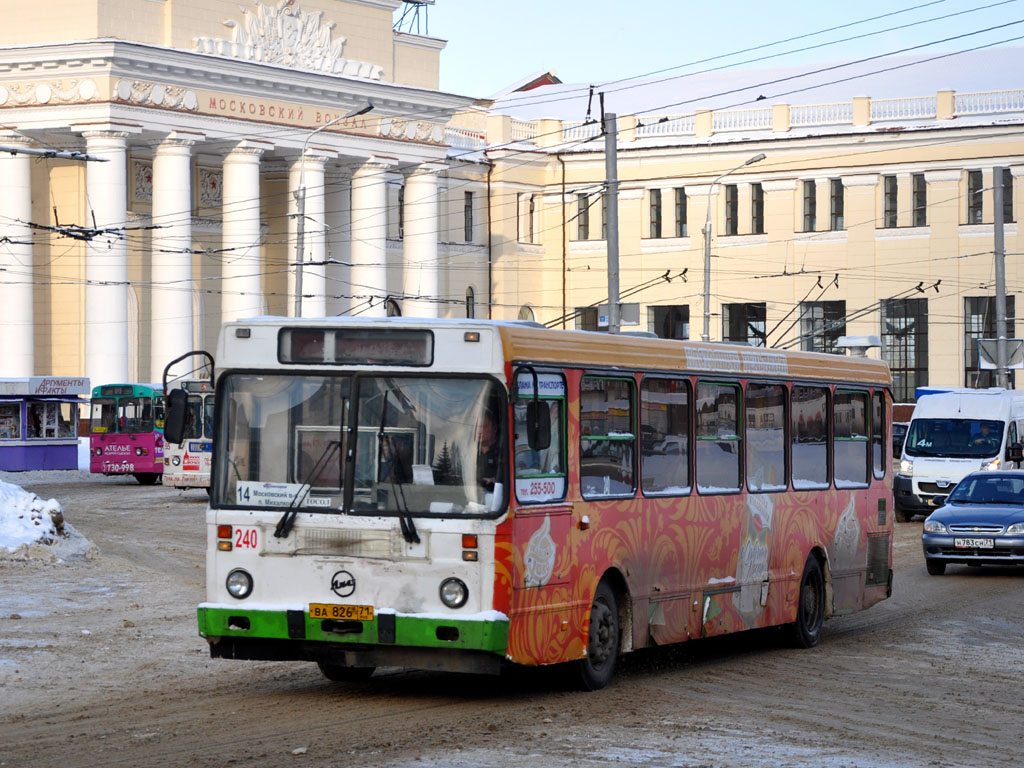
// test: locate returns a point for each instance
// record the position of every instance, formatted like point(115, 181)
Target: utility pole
point(611, 170)
point(1002, 373)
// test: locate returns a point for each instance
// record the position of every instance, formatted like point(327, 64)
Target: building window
point(586, 318)
point(655, 213)
point(821, 325)
point(470, 302)
point(980, 323)
point(582, 217)
point(905, 345)
point(1007, 196)
point(669, 322)
point(680, 193)
point(974, 197)
point(920, 200)
point(732, 209)
point(467, 217)
point(890, 203)
point(810, 206)
point(835, 221)
point(744, 323)
point(756, 209)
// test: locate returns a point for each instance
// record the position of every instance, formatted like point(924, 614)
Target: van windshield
point(954, 438)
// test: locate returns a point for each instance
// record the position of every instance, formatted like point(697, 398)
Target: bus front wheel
point(147, 478)
point(342, 674)
point(810, 607)
point(596, 669)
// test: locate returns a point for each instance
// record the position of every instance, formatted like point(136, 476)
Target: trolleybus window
point(850, 447)
point(607, 439)
point(765, 408)
point(718, 438)
point(809, 437)
point(665, 436)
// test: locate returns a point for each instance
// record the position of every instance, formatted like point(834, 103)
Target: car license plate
point(974, 543)
point(341, 612)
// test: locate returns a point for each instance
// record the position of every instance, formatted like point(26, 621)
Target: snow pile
point(33, 528)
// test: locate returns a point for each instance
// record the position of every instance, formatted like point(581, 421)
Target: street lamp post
point(300, 204)
point(706, 336)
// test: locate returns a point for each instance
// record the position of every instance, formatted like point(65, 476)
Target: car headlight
point(239, 584)
point(454, 593)
point(990, 465)
point(906, 467)
point(1017, 529)
point(934, 526)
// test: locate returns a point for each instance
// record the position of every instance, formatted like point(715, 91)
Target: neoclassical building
point(201, 128)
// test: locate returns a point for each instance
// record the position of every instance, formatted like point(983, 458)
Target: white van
point(951, 434)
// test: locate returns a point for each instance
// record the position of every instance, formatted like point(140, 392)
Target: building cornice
point(420, 41)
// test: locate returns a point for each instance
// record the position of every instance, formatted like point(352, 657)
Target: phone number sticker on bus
point(255, 494)
point(540, 489)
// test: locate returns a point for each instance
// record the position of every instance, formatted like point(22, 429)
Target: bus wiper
point(405, 520)
point(287, 521)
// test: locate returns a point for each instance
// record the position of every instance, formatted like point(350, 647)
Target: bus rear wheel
point(810, 607)
point(596, 669)
point(342, 674)
point(147, 478)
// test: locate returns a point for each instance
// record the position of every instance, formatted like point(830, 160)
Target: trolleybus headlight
point(138, 451)
point(239, 584)
point(454, 593)
point(99, 451)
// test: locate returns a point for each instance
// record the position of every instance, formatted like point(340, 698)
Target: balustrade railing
point(906, 108)
point(836, 113)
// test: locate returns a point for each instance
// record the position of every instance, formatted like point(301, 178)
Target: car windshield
point(954, 438)
point(422, 446)
point(989, 489)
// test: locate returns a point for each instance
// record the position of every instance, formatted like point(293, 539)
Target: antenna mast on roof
point(409, 21)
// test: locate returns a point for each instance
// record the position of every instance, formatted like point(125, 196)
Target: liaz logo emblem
point(343, 583)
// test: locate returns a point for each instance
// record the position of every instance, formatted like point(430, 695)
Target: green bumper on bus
point(386, 630)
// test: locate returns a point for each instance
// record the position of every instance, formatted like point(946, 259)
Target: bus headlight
point(906, 467)
point(176, 460)
point(239, 584)
point(454, 593)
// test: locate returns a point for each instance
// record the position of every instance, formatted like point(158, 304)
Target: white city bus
point(188, 464)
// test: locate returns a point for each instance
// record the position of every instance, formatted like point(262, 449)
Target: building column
point(106, 260)
point(338, 215)
point(171, 291)
point(307, 175)
point(242, 286)
point(369, 237)
point(17, 327)
point(419, 248)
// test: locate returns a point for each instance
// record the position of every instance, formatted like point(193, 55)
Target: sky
point(492, 45)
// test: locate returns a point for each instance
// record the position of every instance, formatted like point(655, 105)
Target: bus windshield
point(425, 446)
point(954, 438)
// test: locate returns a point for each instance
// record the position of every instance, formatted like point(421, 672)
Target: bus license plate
point(341, 612)
point(974, 543)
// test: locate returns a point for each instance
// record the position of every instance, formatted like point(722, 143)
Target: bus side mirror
point(174, 424)
point(1015, 453)
point(538, 425)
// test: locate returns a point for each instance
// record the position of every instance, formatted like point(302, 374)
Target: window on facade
point(718, 437)
point(905, 345)
point(467, 217)
point(920, 195)
point(974, 197)
point(541, 474)
point(850, 439)
point(890, 202)
point(836, 205)
point(680, 194)
point(878, 422)
point(665, 436)
point(655, 212)
point(10, 421)
point(810, 206)
point(1007, 195)
point(582, 217)
point(980, 323)
point(821, 325)
point(669, 322)
point(765, 411)
point(809, 437)
point(732, 209)
point(744, 323)
point(756, 209)
point(607, 438)
point(586, 318)
point(470, 302)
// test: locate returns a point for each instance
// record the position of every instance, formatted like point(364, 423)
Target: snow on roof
point(990, 69)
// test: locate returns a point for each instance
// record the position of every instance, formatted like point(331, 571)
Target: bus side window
point(540, 473)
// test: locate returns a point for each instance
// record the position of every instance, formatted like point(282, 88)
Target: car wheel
point(596, 669)
point(810, 607)
point(342, 674)
point(935, 567)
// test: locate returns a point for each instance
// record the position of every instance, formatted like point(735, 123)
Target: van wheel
point(596, 669)
point(810, 607)
point(902, 515)
point(342, 674)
